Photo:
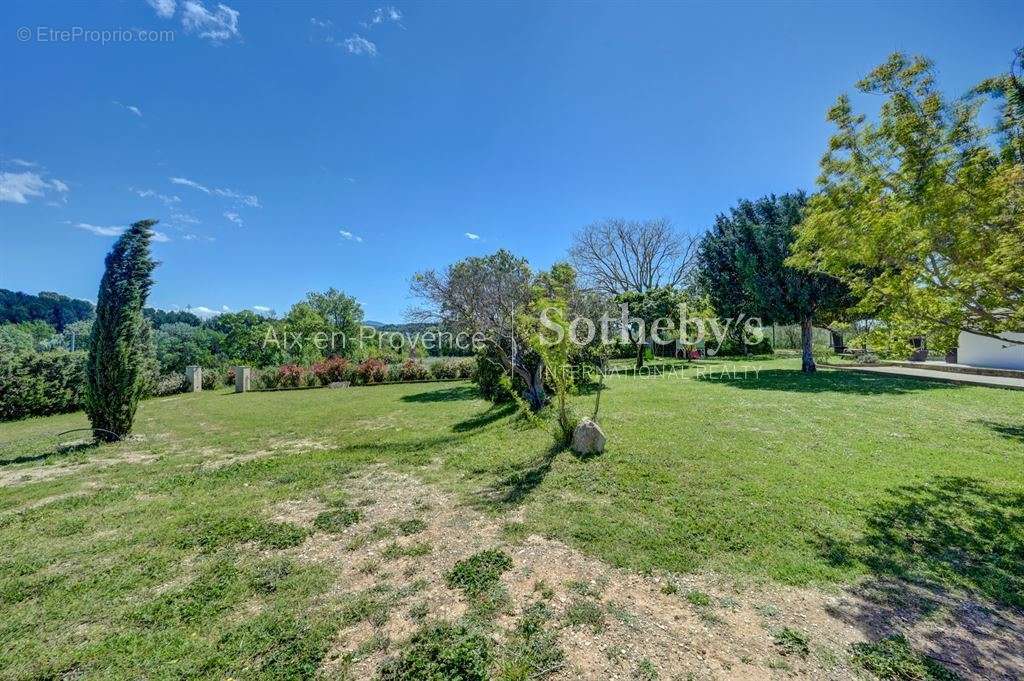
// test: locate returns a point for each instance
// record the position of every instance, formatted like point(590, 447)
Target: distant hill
point(50, 307)
point(376, 325)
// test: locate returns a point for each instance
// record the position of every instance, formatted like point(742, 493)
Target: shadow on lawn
point(58, 450)
point(516, 486)
point(792, 380)
point(954, 531)
point(1007, 430)
point(932, 550)
point(484, 418)
point(462, 392)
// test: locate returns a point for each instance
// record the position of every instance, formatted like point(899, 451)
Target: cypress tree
point(117, 359)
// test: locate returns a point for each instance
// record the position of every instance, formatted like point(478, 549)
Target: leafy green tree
point(161, 317)
point(15, 340)
point(309, 333)
point(250, 338)
point(342, 313)
point(52, 308)
point(116, 367)
point(179, 345)
point(742, 269)
point(648, 307)
point(556, 353)
point(921, 212)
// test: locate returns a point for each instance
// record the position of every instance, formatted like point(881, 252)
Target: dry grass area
point(615, 624)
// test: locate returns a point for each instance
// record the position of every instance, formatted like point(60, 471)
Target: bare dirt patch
point(616, 624)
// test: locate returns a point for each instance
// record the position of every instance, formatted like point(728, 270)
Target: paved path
point(948, 376)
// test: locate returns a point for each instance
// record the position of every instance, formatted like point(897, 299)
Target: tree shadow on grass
point(947, 564)
point(1007, 430)
point(484, 418)
point(462, 392)
point(58, 450)
point(792, 380)
point(514, 487)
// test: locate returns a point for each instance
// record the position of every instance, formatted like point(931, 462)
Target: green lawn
point(773, 475)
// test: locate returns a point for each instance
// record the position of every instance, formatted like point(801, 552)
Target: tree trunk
point(534, 393)
point(806, 341)
point(640, 349)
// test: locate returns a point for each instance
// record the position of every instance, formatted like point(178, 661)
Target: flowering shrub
point(229, 377)
point(170, 384)
point(372, 370)
point(453, 368)
point(210, 379)
point(266, 380)
point(411, 370)
point(332, 369)
point(290, 375)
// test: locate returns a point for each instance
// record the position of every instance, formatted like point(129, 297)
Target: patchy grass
point(645, 671)
point(790, 641)
point(411, 526)
point(395, 550)
point(776, 476)
point(479, 572)
point(337, 520)
point(585, 612)
point(698, 599)
point(532, 651)
point(893, 658)
point(439, 652)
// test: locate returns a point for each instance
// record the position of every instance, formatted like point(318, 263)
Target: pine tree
point(115, 370)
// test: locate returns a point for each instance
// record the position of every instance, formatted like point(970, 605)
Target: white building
point(982, 351)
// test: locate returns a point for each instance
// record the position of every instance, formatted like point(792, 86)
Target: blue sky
point(293, 146)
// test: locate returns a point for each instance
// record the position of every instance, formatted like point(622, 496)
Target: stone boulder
point(588, 438)
point(338, 384)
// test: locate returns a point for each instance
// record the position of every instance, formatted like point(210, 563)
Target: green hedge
point(38, 384)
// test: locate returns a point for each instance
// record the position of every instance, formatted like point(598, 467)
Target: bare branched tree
point(618, 256)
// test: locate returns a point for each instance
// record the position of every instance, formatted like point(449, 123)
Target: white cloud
point(134, 109)
point(184, 218)
point(202, 311)
point(216, 26)
point(345, 234)
point(248, 199)
point(321, 30)
point(164, 8)
point(149, 193)
point(225, 308)
point(23, 163)
point(360, 45)
point(471, 236)
point(234, 217)
point(189, 183)
point(382, 15)
point(261, 308)
point(20, 187)
point(100, 231)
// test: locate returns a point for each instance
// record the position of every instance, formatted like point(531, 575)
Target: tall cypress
point(115, 367)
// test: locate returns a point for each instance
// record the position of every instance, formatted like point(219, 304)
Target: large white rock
point(588, 438)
